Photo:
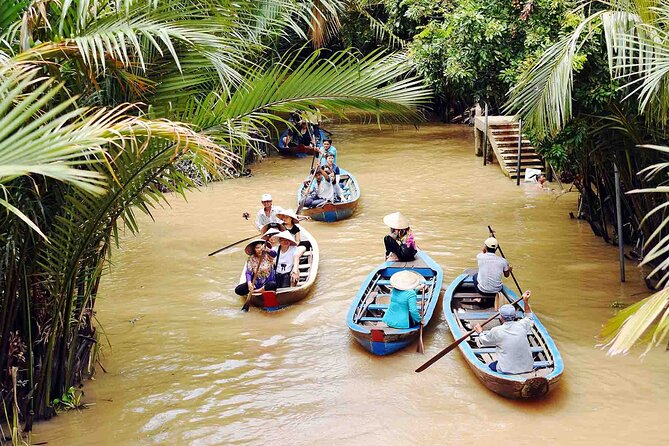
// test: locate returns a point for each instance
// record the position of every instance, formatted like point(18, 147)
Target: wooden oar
point(307, 185)
point(492, 234)
point(245, 215)
point(232, 244)
point(457, 342)
point(248, 301)
point(421, 348)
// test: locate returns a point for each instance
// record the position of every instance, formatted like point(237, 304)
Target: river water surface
point(187, 367)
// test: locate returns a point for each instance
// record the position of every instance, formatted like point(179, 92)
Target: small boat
point(371, 302)
point(282, 297)
point(465, 307)
point(299, 150)
point(331, 212)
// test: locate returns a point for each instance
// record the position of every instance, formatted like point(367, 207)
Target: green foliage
point(69, 400)
point(473, 50)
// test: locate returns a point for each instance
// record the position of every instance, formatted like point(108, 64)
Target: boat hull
point(283, 297)
point(371, 301)
point(332, 212)
point(464, 307)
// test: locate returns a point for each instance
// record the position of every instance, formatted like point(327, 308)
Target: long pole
point(619, 217)
point(520, 144)
point(485, 136)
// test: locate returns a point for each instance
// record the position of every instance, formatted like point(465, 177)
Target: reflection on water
point(193, 369)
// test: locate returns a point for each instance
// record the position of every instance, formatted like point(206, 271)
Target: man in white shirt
point(488, 280)
point(510, 340)
point(320, 191)
point(268, 213)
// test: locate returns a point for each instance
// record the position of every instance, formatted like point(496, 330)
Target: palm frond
point(624, 330)
point(542, 95)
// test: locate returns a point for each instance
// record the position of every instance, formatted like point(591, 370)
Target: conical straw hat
point(269, 226)
point(396, 221)
point(289, 213)
point(271, 232)
point(250, 247)
point(287, 236)
point(405, 280)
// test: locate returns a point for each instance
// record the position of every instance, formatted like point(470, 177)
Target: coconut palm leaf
point(624, 330)
point(542, 96)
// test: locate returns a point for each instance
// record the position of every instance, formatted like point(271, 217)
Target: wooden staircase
point(503, 139)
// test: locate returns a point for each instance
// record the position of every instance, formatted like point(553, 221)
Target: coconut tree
point(99, 99)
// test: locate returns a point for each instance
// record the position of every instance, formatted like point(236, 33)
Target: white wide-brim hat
point(271, 232)
point(287, 236)
point(396, 221)
point(491, 242)
point(405, 280)
point(280, 227)
point(288, 213)
point(250, 248)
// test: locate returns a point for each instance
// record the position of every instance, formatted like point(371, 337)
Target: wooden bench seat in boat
point(484, 350)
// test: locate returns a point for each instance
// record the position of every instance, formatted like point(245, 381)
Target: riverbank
point(187, 367)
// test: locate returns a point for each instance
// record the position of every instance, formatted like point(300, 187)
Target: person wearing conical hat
point(400, 244)
point(260, 273)
point(403, 309)
point(290, 223)
point(288, 260)
point(267, 214)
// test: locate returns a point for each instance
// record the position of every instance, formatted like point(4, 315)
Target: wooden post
point(520, 145)
point(485, 136)
point(619, 217)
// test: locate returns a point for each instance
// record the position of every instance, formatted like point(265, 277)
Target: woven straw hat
point(271, 232)
point(269, 226)
point(396, 221)
point(288, 213)
point(405, 280)
point(250, 248)
point(287, 236)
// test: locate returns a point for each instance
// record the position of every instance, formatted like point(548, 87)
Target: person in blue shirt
point(403, 309)
point(327, 149)
point(332, 174)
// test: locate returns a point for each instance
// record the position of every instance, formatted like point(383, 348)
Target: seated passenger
point(286, 139)
point(259, 268)
point(403, 309)
point(332, 173)
point(327, 149)
point(320, 191)
point(288, 262)
point(512, 347)
point(400, 244)
point(488, 279)
point(304, 136)
point(290, 222)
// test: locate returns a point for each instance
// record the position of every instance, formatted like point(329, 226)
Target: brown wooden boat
point(465, 307)
point(282, 297)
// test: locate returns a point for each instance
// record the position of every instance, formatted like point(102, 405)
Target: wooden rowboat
point(299, 150)
point(465, 307)
point(331, 212)
point(282, 297)
point(370, 304)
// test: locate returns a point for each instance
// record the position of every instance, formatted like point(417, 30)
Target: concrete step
point(510, 143)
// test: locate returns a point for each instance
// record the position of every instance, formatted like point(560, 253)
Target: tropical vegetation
point(99, 102)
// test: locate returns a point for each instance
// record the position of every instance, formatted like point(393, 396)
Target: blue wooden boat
point(465, 307)
point(331, 212)
point(370, 304)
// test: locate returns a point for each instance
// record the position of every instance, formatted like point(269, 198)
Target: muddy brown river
point(187, 367)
